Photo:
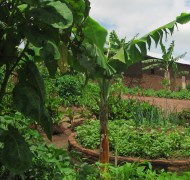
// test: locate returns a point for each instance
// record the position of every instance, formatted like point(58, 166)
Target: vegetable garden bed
point(170, 162)
point(93, 156)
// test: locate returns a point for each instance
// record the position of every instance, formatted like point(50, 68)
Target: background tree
point(165, 63)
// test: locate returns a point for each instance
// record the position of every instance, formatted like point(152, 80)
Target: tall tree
point(119, 56)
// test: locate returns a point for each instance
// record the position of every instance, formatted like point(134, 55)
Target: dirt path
point(170, 105)
point(60, 140)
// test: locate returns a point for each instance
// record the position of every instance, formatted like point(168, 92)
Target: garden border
point(93, 156)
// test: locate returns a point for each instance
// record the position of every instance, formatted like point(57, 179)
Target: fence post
point(183, 82)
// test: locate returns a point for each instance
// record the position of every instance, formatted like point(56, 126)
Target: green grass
point(183, 94)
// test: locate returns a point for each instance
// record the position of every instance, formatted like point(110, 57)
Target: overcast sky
point(130, 17)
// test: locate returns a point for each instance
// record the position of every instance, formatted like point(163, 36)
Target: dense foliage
point(120, 108)
point(69, 88)
point(33, 31)
point(129, 140)
point(48, 162)
point(134, 171)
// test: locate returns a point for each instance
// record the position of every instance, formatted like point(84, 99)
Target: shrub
point(188, 87)
point(69, 88)
point(90, 98)
point(184, 117)
point(47, 163)
point(119, 108)
point(140, 112)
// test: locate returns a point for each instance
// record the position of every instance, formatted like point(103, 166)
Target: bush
point(47, 162)
point(69, 88)
point(184, 117)
point(119, 108)
point(188, 87)
point(90, 98)
point(140, 112)
point(142, 171)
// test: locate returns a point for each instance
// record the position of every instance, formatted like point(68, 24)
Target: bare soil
point(60, 140)
point(169, 105)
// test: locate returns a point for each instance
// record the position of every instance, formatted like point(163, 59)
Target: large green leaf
point(56, 14)
point(119, 66)
point(78, 9)
point(46, 122)
point(134, 54)
point(120, 55)
point(16, 155)
point(94, 61)
point(183, 18)
point(51, 55)
point(28, 101)
point(29, 96)
point(22, 7)
point(30, 74)
point(94, 33)
point(52, 66)
point(45, 35)
point(170, 50)
point(96, 55)
point(45, 47)
point(157, 34)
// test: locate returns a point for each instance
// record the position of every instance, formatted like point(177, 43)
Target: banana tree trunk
point(183, 82)
point(104, 143)
point(167, 77)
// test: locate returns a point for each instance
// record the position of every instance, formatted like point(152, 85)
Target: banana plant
point(101, 62)
point(165, 63)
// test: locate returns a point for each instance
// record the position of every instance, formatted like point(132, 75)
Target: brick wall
point(152, 78)
point(150, 81)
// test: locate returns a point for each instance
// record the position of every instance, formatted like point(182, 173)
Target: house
point(152, 78)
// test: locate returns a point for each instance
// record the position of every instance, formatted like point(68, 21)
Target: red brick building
point(152, 78)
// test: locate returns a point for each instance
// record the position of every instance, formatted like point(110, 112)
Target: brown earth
point(169, 105)
point(60, 139)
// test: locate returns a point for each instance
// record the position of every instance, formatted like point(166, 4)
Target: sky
point(131, 17)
